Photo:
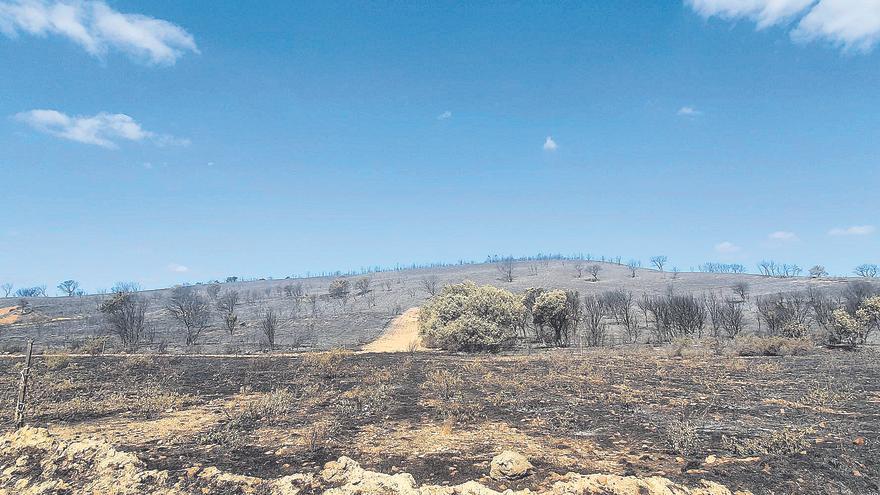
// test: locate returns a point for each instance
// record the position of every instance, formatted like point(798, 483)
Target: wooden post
point(22, 386)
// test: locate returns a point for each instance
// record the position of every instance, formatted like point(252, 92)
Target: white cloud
point(852, 25)
point(764, 12)
point(445, 115)
point(97, 28)
point(853, 230)
point(550, 144)
point(174, 267)
point(689, 112)
point(103, 129)
point(783, 236)
point(727, 247)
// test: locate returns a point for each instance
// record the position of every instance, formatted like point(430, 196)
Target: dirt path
point(7, 317)
point(400, 334)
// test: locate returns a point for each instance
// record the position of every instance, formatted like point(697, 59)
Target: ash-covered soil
point(798, 424)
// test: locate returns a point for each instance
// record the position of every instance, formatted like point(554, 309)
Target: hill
point(310, 318)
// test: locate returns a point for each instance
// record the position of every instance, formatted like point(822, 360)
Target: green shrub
point(471, 318)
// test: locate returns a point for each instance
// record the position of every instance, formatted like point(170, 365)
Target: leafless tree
point(867, 270)
point(741, 289)
point(125, 287)
point(790, 270)
point(818, 271)
point(213, 291)
point(430, 283)
point(362, 286)
point(659, 261)
point(269, 326)
point(314, 305)
point(36, 291)
point(594, 271)
point(124, 314)
point(7, 289)
point(715, 310)
point(823, 307)
point(68, 287)
point(633, 266)
point(856, 292)
point(732, 318)
point(339, 288)
point(593, 314)
point(687, 314)
point(191, 310)
point(768, 268)
point(505, 268)
point(579, 269)
point(226, 304)
point(619, 304)
point(786, 315)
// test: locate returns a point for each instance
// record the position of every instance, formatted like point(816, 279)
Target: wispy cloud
point(103, 129)
point(727, 247)
point(688, 112)
point(97, 28)
point(445, 115)
point(782, 236)
point(852, 25)
point(550, 144)
point(174, 267)
point(852, 230)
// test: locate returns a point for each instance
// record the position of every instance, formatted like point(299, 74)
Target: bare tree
point(818, 271)
point(786, 315)
point(124, 314)
point(867, 270)
point(505, 268)
point(633, 266)
point(715, 310)
point(69, 287)
point(31, 291)
point(430, 283)
point(619, 304)
point(579, 269)
point(213, 291)
point(741, 289)
point(226, 304)
point(593, 314)
point(732, 318)
point(594, 271)
point(7, 289)
point(269, 326)
point(659, 261)
point(125, 287)
point(339, 288)
point(362, 285)
point(191, 310)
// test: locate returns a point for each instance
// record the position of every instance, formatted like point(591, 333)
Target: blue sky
point(168, 141)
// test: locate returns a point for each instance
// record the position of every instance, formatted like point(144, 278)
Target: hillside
point(322, 322)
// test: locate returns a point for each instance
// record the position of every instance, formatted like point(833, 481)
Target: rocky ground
point(36, 463)
point(767, 425)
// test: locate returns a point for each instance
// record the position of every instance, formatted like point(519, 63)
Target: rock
point(88, 467)
point(711, 459)
point(510, 465)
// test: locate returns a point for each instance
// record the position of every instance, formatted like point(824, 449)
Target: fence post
point(22, 386)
